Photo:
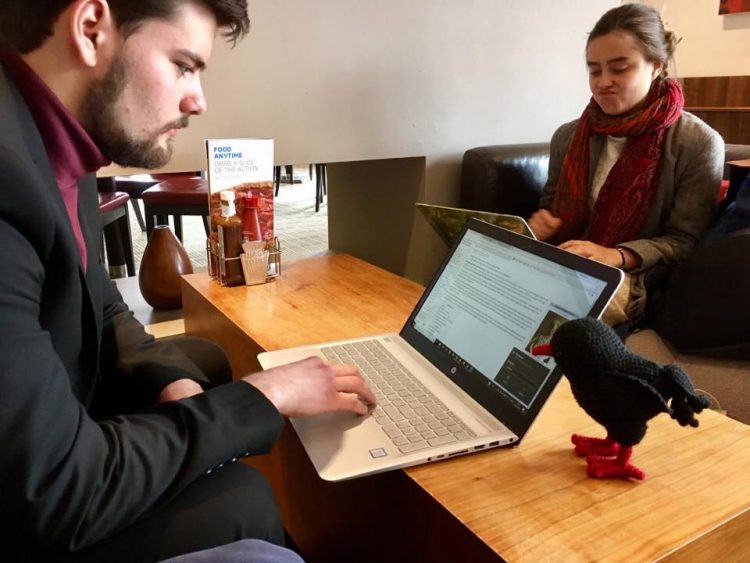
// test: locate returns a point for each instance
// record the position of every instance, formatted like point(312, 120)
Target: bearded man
point(117, 447)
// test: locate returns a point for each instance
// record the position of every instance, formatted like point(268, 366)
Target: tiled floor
point(301, 231)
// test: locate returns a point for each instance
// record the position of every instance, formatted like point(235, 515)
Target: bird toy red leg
point(620, 467)
point(586, 445)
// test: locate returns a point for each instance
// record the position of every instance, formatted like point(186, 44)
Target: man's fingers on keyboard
point(355, 403)
point(344, 369)
point(355, 384)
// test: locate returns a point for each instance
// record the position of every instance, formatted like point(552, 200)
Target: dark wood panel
point(723, 102)
point(717, 91)
point(733, 126)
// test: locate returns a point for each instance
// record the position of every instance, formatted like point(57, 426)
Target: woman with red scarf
point(633, 182)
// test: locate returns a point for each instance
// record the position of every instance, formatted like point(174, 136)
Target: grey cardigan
point(684, 202)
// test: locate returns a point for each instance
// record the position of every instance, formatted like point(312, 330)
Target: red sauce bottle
point(250, 219)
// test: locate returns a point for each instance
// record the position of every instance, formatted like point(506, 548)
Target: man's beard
point(106, 129)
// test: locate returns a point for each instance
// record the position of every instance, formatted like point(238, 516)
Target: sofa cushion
point(726, 380)
point(487, 173)
point(706, 306)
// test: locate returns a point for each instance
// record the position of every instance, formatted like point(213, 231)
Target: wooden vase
point(164, 261)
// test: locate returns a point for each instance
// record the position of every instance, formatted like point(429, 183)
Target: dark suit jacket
point(67, 480)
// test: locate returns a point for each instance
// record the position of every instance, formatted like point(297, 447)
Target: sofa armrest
point(504, 178)
point(734, 152)
point(706, 306)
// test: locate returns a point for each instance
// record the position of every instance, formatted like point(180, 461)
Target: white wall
point(712, 45)
point(338, 80)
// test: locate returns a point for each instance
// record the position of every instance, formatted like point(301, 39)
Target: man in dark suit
point(116, 446)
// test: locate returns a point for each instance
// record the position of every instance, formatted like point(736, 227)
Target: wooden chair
point(321, 182)
point(289, 169)
point(134, 186)
point(113, 208)
point(178, 196)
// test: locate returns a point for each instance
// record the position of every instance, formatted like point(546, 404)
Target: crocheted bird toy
point(620, 390)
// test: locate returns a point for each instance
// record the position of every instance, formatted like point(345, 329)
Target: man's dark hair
point(26, 24)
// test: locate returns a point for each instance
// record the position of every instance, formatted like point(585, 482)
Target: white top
point(612, 151)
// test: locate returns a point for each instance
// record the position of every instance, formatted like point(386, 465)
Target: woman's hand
point(543, 224)
point(609, 256)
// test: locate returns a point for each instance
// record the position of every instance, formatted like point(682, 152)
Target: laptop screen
point(496, 296)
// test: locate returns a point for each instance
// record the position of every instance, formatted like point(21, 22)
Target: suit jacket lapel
point(18, 123)
point(90, 219)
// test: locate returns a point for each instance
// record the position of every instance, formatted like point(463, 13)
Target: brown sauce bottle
point(229, 227)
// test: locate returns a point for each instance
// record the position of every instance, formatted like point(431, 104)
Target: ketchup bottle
point(250, 219)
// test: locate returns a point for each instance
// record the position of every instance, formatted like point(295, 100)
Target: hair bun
point(670, 42)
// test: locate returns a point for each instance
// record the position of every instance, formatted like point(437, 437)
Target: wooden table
point(531, 503)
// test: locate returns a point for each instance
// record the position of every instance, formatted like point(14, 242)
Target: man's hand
point(179, 390)
point(543, 224)
point(312, 386)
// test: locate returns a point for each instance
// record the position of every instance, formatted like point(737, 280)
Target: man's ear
point(92, 31)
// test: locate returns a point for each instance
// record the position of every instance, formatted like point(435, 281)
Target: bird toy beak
point(542, 350)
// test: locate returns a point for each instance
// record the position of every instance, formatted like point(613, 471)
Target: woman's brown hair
point(645, 24)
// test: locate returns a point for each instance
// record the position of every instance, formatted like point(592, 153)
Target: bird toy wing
point(686, 403)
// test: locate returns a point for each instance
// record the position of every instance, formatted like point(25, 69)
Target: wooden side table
point(530, 503)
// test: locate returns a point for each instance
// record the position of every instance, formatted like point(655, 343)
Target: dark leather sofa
point(700, 317)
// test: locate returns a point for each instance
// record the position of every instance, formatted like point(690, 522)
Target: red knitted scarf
point(624, 199)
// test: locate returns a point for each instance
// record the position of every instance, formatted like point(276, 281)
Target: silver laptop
point(459, 377)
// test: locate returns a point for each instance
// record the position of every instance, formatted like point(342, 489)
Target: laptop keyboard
point(409, 414)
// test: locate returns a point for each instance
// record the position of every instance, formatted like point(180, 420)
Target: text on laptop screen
point(493, 303)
